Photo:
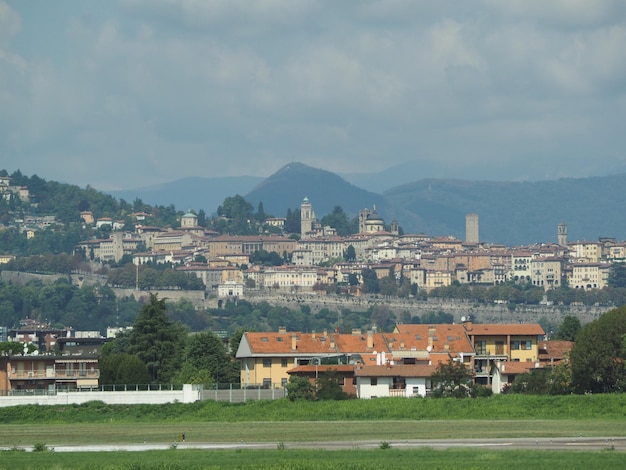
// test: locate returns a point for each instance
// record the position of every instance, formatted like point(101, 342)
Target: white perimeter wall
point(188, 394)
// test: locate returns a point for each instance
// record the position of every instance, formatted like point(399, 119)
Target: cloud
point(155, 90)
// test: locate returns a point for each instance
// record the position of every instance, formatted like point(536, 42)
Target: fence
point(142, 394)
point(236, 393)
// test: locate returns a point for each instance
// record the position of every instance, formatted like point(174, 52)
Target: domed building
point(370, 221)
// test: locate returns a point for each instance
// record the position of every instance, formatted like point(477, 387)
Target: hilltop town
point(238, 256)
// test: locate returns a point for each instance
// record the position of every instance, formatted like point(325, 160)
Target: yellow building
point(502, 342)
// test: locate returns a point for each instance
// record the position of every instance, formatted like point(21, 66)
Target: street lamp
point(319, 361)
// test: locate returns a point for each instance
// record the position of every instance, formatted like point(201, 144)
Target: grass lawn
point(314, 459)
point(299, 431)
point(382, 420)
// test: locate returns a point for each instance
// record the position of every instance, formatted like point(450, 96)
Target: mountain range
point(511, 213)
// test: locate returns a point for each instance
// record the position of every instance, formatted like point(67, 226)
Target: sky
point(123, 94)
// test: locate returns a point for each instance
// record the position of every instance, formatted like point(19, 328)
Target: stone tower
point(307, 217)
point(471, 228)
point(562, 234)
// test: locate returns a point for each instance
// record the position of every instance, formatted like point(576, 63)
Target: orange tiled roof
point(357, 343)
point(322, 368)
point(550, 350)
point(417, 336)
point(417, 370)
point(513, 368)
point(530, 329)
point(281, 343)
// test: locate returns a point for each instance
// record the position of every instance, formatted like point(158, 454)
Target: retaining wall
point(188, 394)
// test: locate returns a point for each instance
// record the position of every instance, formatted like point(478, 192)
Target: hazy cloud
point(135, 92)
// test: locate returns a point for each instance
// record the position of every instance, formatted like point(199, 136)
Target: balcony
point(53, 374)
point(397, 392)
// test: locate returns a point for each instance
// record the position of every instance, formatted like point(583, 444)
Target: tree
point(350, 254)
point(568, 329)
point(206, 352)
point(121, 369)
point(338, 220)
point(292, 221)
point(299, 388)
point(597, 356)
point(370, 281)
point(452, 380)
point(329, 386)
point(238, 212)
point(156, 340)
point(617, 275)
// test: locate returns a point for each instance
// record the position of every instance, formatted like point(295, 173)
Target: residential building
point(589, 275)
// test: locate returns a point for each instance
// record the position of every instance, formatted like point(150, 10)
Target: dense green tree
point(388, 286)
point(292, 221)
point(350, 254)
point(206, 352)
point(236, 215)
point(157, 341)
point(202, 218)
point(329, 386)
point(300, 388)
point(338, 220)
point(370, 283)
point(121, 369)
point(568, 329)
point(452, 380)
point(266, 258)
point(598, 354)
point(617, 275)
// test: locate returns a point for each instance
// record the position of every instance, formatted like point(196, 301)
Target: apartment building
point(589, 275)
point(546, 272)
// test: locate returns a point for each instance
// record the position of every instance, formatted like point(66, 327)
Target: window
point(283, 382)
point(283, 362)
point(374, 381)
point(515, 345)
point(267, 363)
point(267, 383)
point(481, 347)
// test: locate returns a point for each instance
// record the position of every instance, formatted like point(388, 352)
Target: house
point(230, 288)
point(552, 353)
point(477, 346)
point(504, 373)
point(345, 373)
point(72, 365)
point(266, 357)
point(515, 342)
point(394, 380)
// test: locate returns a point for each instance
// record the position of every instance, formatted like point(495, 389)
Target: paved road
point(577, 443)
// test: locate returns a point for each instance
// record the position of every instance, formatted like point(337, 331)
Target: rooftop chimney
point(294, 342)
point(282, 329)
point(370, 339)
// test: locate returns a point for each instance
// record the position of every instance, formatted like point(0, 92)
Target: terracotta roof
point(554, 350)
point(513, 368)
point(417, 370)
point(416, 337)
point(357, 343)
point(322, 368)
point(280, 343)
point(519, 329)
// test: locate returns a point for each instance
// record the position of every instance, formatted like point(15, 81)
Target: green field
point(283, 424)
point(315, 459)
